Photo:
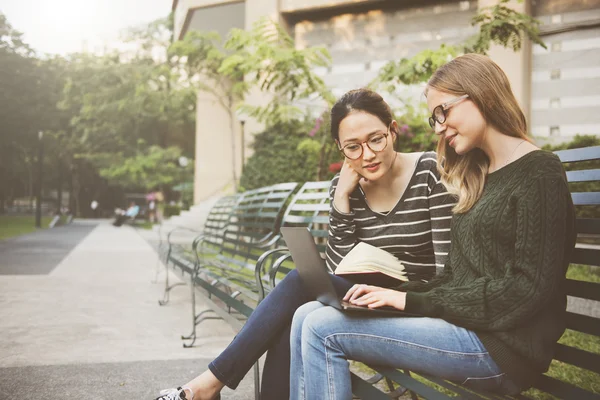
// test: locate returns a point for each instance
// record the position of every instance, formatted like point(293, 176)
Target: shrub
point(171, 210)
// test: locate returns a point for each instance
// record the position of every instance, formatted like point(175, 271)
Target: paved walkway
point(89, 326)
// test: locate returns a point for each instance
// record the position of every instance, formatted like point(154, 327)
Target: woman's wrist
point(342, 202)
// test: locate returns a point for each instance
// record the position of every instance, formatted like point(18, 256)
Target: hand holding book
point(371, 265)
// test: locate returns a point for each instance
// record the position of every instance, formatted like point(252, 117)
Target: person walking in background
point(492, 318)
point(159, 199)
point(94, 207)
point(151, 199)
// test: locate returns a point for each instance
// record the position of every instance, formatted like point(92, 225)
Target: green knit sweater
point(505, 275)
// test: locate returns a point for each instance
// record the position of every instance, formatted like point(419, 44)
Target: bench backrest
point(253, 222)
point(310, 207)
point(217, 220)
point(583, 174)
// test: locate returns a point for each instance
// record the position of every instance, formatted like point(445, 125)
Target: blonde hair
point(489, 89)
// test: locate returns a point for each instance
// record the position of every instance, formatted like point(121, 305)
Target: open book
point(371, 265)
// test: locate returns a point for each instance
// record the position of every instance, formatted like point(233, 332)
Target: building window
point(368, 66)
point(554, 131)
point(555, 74)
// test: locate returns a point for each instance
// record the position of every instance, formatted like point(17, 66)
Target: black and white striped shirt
point(416, 230)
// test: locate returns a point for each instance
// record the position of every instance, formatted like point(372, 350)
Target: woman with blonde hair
point(492, 318)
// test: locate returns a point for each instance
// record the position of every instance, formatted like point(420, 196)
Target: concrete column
point(517, 65)
point(213, 169)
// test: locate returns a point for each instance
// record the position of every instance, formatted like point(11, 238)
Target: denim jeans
point(268, 330)
point(323, 339)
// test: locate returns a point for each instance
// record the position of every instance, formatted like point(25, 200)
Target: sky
point(67, 26)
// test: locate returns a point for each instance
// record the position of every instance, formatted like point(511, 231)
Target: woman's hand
point(347, 182)
point(349, 179)
point(375, 296)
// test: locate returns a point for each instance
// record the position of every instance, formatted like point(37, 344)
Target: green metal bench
point(222, 262)
point(184, 244)
point(583, 167)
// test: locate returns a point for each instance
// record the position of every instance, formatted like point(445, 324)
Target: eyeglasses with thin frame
point(440, 113)
point(376, 143)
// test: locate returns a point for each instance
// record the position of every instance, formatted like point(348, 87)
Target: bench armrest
point(258, 269)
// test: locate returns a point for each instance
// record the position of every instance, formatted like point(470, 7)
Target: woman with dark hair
point(391, 200)
point(491, 319)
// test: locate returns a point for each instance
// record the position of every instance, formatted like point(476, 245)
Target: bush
point(281, 154)
point(171, 210)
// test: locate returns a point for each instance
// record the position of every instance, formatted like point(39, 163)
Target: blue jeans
point(323, 339)
point(268, 330)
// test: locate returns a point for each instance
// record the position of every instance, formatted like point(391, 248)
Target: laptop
point(313, 272)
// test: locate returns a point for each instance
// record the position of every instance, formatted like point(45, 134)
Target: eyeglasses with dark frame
point(439, 113)
point(376, 143)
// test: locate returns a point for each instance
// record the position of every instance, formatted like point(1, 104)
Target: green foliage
point(149, 168)
point(282, 153)
point(498, 24)
point(170, 210)
point(28, 92)
point(268, 58)
point(504, 26)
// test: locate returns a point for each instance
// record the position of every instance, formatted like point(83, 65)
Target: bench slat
point(587, 175)
point(312, 196)
point(364, 390)
point(583, 323)
point(586, 199)
point(580, 358)
point(577, 155)
point(586, 256)
point(464, 393)
point(563, 390)
point(590, 226)
point(410, 383)
point(299, 219)
point(311, 207)
point(584, 290)
point(317, 185)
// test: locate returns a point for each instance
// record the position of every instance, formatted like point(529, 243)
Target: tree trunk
point(232, 121)
point(71, 189)
point(59, 190)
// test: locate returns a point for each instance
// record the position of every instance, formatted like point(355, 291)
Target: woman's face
point(464, 127)
point(356, 129)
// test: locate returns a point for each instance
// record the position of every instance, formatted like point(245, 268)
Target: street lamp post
point(40, 161)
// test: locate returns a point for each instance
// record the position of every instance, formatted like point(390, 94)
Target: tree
point(25, 108)
point(263, 57)
point(151, 167)
point(124, 106)
point(498, 24)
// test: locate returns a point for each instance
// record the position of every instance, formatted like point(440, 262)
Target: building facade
point(558, 87)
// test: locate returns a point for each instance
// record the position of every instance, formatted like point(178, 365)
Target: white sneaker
point(173, 394)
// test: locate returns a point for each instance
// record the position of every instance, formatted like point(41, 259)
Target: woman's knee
point(304, 310)
point(322, 322)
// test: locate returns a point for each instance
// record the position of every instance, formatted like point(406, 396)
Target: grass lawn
point(18, 225)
